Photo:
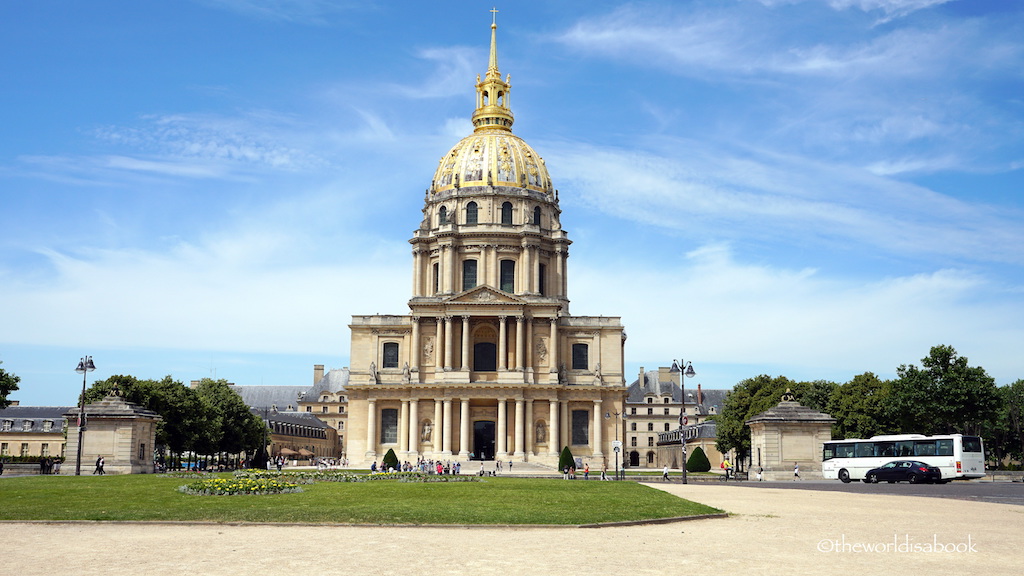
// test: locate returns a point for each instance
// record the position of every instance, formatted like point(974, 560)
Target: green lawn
point(490, 501)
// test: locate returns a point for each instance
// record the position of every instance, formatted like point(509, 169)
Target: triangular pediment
point(484, 295)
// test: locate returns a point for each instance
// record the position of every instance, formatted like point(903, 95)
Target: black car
point(904, 471)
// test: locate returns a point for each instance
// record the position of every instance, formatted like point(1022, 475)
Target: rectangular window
point(632, 441)
point(508, 276)
point(580, 427)
point(24, 448)
point(972, 444)
point(632, 411)
point(142, 451)
point(468, 274)
point(323, 409)
point(44, 450)
point(924, 448)
point(580, 357)
point(666, 411)
point(865, 449)
point(341, 409)
point(542, 279)
point(7, 425)
point(650, 441)
point(390, 355)
point(437, 278)
point(944, 447)
point(5, 448)
point(389, 426)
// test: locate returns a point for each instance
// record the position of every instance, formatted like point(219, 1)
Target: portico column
point(447, 343)
point(435, 437)
point(566, 424)
point(553, 434)
point(414, 353)
point(553, 347)
point(495, 273)
point(528, 360)
point(464, 429)
point(414, 426)
point(403, 428)
point(439, 345)
point(527, 281)
point(502, 344)
point(520, 433)
point(502, 432)
point(371, 428)
point(446, 442)
point(465, 344)
point(417, 272)
point(559, 272)
point(520, 341)
point(598, 448)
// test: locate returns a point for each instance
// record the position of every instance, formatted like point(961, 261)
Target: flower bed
point(236, 486)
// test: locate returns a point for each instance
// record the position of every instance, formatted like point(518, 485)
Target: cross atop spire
point(492, 108)
point(494, 16)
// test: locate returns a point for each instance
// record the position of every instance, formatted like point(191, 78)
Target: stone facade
point(32, 431)
point(789, 434)
point(122, 432)
point(489, 363)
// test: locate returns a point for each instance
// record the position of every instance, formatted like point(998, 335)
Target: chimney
point(641, 379)
point(318, 372)
point(700, 395)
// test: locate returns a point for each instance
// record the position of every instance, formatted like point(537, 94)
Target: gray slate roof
point(637, 392)
point(333, 382)
point(284, 398)
point(787, 411)
point(36, 415)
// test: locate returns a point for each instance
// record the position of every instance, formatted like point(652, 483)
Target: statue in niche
point(598, 379)
point(428, 429)
point(428, 347)
point(563, 375)
point(542, 433)
point(373, 373)
point(406, 376)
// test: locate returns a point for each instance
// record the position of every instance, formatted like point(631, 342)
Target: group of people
point(49, 465)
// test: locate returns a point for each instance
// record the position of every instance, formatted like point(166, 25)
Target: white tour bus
point(958, 456)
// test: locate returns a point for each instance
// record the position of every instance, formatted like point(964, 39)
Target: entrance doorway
point(483, 440)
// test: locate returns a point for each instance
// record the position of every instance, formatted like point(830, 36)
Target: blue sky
point(812, 188)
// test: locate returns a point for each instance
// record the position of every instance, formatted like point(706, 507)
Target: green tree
point(945, 395)
point(1005, 438)
point(747, 399)
point(566, 460)
point(698, 461)
point(233, 427)
point(859, 407)
point(8, 384)
point(390, 461)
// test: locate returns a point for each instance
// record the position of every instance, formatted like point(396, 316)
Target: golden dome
point(492, 155)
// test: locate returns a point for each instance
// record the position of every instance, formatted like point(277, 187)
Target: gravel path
point(771, 531)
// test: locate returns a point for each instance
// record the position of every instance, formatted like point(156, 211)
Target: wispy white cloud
point(725, 311)
point(778, 197)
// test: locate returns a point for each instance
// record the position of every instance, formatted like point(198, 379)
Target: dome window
point(536, 215)
point(472, 213)
point(442, 216)
point(506, 213)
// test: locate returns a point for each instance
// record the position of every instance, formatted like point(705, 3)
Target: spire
point(492, 108)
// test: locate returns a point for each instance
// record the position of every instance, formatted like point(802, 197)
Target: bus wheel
point(844, 476)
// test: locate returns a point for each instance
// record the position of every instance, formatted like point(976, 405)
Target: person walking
point(796, 470)
point(664, 473)
point(99, 466)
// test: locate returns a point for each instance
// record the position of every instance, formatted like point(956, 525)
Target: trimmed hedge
point(698, 461)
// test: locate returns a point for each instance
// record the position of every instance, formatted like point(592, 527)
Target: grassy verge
point(491, 501)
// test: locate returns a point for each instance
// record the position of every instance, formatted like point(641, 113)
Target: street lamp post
point(685, 370)
point(617, 445)
point(85, 366)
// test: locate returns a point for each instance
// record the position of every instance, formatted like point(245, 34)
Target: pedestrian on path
point(664, 474)
point(796, 470)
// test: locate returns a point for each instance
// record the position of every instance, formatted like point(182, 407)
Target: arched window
point(468, 274)
point(471, 213)
point(542, 279)
point(650, 458)
point(506, 213)
point(536, 215)
point(390, 355)
point(580, 357)
point(442, 216)
point(508, 276)
point(437, 278)
point(665, 400)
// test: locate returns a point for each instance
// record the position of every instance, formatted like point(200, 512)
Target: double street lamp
point(617, 446)
point(685, 370)
point(85, 366)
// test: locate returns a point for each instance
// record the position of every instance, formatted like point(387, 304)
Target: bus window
point(885, 449)
point(944, 447)
point(828, 452)
point(844, 450)
point(904, 449)
point(925, 448)
point(865, 449)
point(972, 444)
